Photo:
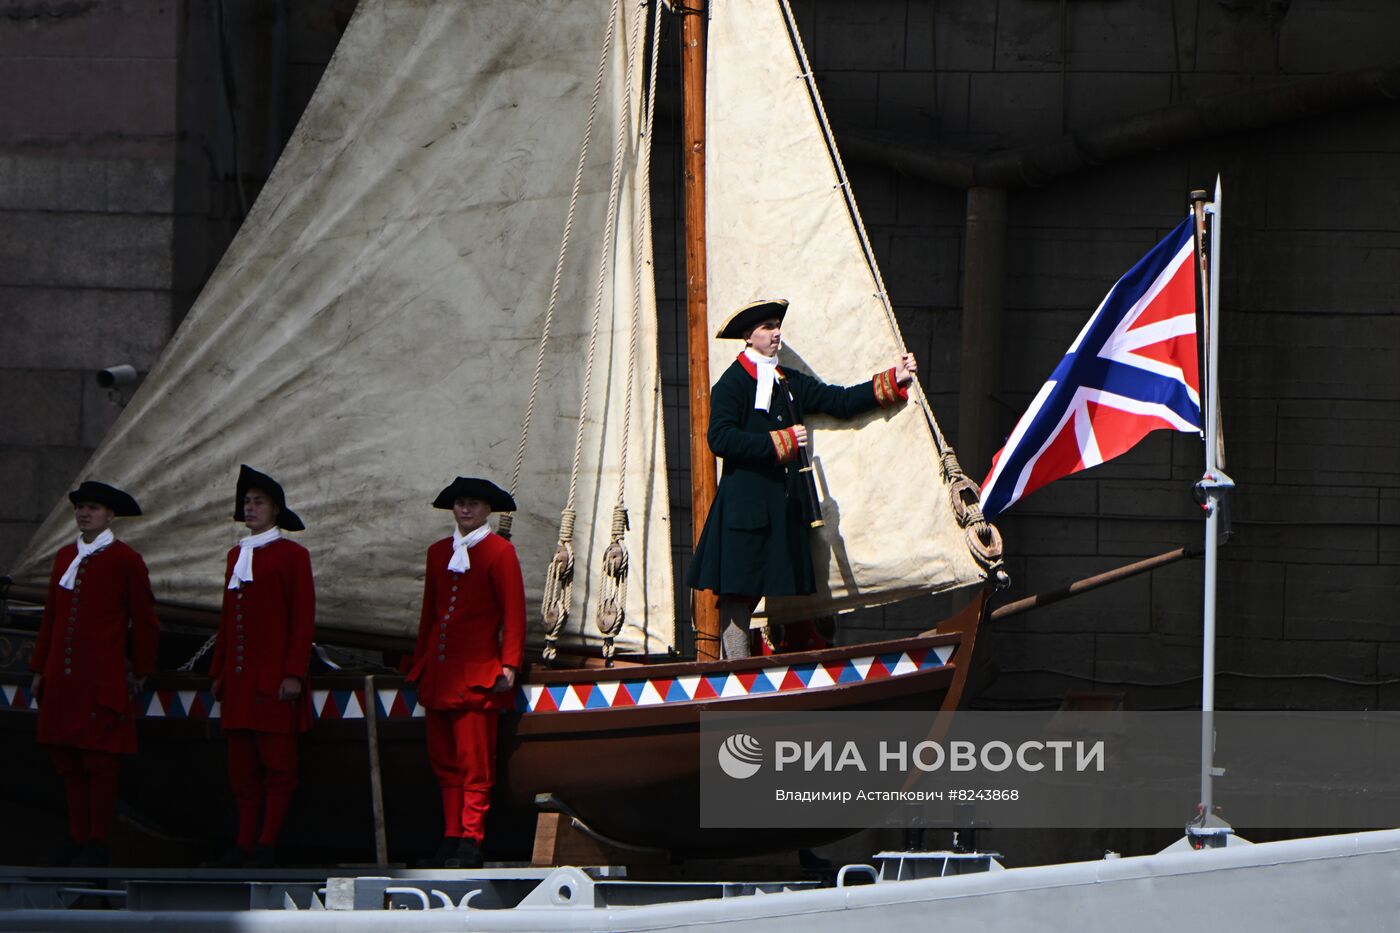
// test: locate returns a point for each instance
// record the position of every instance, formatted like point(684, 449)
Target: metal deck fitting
point(205, 889)
point(907, 866)
point(338, 889)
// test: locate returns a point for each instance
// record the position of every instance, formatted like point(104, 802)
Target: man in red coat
point(471, 641)
point(96, 645)
point(259, 665)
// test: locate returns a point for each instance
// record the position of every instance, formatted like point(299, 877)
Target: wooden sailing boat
point(450, 271)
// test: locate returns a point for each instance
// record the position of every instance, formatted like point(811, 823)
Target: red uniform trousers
point(462, 753)
point(86, 716)
point(265, 633)
point(471, 628)
point(262, 768)
point(90, 784)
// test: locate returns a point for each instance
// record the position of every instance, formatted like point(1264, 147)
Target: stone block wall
point(87, 149)
point(1310, 585)
point(127, 158)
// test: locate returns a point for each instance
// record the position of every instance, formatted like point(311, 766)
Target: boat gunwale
point(687, 712)
point(675, 713)
point(537, 674)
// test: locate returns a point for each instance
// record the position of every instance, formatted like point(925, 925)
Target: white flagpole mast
point(1209, 831)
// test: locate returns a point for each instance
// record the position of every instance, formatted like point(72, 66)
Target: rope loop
point(962, 491)
point(948, 459)
point(983, 539)
point(612, 599)
point(965, 496)
point(558, 586)
point(503, 525)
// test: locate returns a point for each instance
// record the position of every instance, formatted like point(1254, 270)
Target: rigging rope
point(983, 539)
point(203, 650)
point(612, 598)
point(559, 578)
point(503, 527)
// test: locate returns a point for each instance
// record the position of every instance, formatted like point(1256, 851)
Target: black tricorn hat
point(472, 488)
point(119, 502)
point(249, 478)
point(751, 315)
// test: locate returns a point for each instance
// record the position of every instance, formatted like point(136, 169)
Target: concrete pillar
point(984, 263)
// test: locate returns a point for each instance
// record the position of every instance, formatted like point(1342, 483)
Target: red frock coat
point(265, 633)
point(82, 649)
point(472, 624)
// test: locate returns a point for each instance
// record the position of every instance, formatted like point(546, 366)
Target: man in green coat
point(756, 538)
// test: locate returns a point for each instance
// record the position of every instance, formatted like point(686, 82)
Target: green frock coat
point(756, 538)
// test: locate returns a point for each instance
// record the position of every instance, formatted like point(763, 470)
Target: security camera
point(113, 377)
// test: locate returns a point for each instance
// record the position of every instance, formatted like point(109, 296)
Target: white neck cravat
point(460, 562)
point(70, 576)
point(243, 568)
point(767, 370)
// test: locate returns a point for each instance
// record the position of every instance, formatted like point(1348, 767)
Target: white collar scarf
point(767, 369)
point(243, 568)
point(85, 550)
point(460, 562)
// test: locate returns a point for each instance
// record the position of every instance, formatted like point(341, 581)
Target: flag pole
point(1208, 830)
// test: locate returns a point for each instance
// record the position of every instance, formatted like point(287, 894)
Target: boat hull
point(640, 783)
point(618, 748)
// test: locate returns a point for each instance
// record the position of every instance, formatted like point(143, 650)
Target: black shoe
point(94, 855)
point(262, 856)
point(233, 858)
point(445, 850)
point(70, 852)
point(468, 855)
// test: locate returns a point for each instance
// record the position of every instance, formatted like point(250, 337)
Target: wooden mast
point(705, 609)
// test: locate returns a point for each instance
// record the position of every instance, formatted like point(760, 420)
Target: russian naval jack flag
point(1132, 370)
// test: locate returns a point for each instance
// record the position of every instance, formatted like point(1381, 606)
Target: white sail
point(778, 226)
point(372, 331)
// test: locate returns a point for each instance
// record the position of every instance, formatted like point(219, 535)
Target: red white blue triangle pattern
point(13, 696)
point(402, 702)
point(389, 703)
point(177, 704)
point(565, 698)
